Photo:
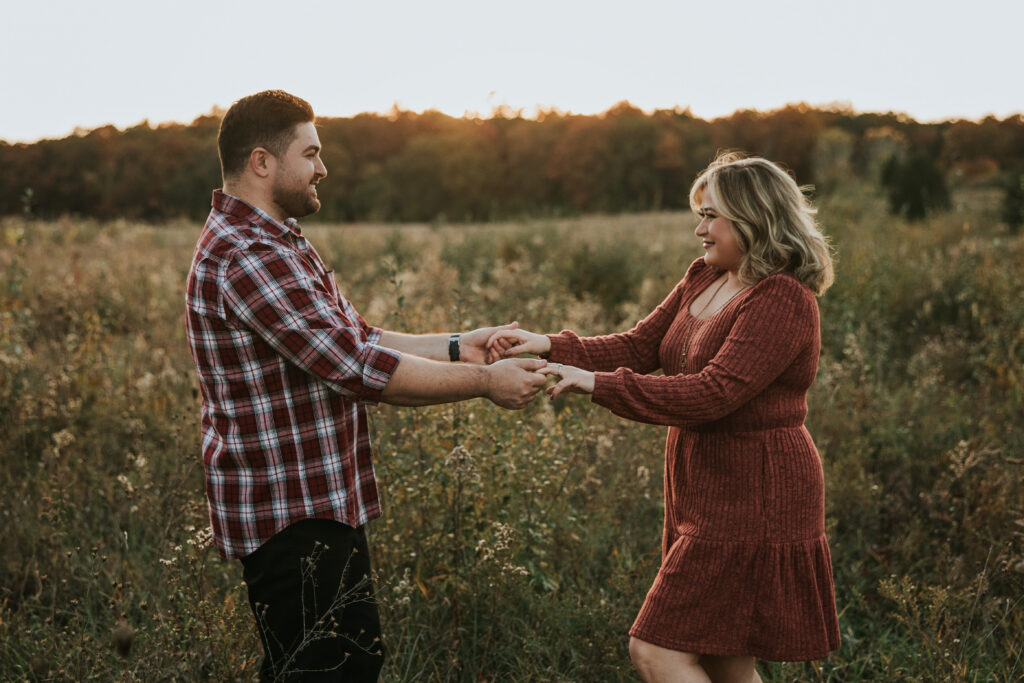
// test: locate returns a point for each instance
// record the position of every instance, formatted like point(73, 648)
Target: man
point(286, 365)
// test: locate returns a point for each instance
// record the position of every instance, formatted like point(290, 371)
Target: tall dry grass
point(514, 545)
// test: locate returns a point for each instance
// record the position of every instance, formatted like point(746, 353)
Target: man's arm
point(419, 381)
point(472, 345)
point(271, 295)
point(432, 346)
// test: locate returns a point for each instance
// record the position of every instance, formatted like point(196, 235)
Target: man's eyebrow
point(312, 148)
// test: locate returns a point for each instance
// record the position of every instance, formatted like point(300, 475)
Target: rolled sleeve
point(378, 363)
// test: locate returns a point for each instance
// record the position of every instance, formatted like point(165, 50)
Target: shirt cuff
point(373, 335)
point(604, 388)
point(559, 347)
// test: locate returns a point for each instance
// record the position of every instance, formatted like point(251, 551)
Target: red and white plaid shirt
point(285, 363)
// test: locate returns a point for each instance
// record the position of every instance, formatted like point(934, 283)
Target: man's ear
point(261, 161)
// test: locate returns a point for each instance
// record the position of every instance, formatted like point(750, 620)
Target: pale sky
point(67, 63)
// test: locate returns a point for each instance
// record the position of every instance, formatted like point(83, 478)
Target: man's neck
point(253, 196)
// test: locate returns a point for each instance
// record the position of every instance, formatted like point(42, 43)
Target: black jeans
point(310, 591)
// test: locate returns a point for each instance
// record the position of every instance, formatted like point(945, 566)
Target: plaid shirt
point(285, 363)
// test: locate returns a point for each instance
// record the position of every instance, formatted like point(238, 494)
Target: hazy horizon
point(532, 113)
point(76, 66)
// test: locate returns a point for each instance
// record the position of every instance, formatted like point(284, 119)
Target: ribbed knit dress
point(745, 564)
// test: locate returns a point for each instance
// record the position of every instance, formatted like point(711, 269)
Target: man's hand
point(515, 381)
point(506, 343)
point(473, 346)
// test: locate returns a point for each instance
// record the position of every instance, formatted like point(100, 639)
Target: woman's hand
point(571, 379)
point(507, 343)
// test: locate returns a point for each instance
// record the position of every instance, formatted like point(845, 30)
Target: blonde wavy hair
point(775, 222)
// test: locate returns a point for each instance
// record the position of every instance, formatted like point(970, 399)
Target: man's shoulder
point(225, 236)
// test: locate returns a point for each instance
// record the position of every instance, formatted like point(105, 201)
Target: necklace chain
point(708, 303)
point(697, 318)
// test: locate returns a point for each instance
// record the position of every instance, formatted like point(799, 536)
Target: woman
point(746, 571)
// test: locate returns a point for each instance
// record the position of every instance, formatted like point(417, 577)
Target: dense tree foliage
point(406, 166)
point(1013, 200)
point(914, 186)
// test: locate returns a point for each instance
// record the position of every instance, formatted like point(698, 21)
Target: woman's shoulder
point(783, 289)
point(786, 281)
point(698, 271)
point(696, 266)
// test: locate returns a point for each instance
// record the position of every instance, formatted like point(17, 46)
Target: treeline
point(404, 166)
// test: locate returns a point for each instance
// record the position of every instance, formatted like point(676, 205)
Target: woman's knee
point(643, 653)
point(731, 669)
point(652, 660)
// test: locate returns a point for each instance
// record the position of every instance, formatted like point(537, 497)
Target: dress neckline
point(721, 308)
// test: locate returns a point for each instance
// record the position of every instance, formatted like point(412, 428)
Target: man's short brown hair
point(266, 119)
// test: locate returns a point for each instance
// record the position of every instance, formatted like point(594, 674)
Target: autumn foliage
point(404, 166)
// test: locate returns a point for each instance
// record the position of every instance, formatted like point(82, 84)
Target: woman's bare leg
point(730, 669)
point(661, 665)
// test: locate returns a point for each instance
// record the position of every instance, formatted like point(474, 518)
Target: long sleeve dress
point(746, 568)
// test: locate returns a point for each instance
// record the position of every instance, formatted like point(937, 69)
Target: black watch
point(453, 348)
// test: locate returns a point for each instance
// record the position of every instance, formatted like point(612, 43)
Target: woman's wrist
point(544, 341)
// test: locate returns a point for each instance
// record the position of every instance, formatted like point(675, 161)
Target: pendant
point(686, 345)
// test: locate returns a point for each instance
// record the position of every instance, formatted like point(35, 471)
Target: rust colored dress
point(745, 564)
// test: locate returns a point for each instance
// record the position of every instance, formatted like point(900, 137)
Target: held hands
point(515, 381)
point(510, 341)
point(475, 347)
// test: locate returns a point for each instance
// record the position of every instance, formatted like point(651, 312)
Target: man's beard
point(294, 202)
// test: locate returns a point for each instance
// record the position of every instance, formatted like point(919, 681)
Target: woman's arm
point(775, 325)
point(636, 349)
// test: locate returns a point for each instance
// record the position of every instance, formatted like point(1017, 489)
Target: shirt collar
point(239, 208)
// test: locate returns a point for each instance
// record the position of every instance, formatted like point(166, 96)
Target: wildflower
point(145, 383)
point(644, 475)
point(462, 465)
point(61, 440)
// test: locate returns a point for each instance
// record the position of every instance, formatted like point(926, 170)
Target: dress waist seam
point(743, 432)
point(754, 541)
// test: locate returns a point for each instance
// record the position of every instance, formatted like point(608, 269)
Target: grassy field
point(514, 545)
